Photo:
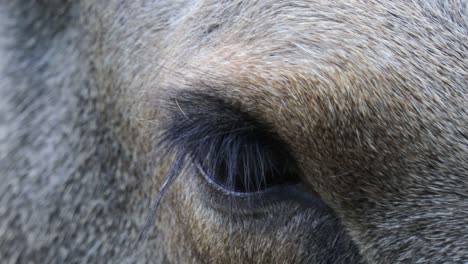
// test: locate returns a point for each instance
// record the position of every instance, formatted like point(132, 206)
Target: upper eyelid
point(195, 116)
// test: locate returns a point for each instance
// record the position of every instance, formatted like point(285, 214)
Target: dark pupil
point(249, 164)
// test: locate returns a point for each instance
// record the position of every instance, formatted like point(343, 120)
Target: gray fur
point(370, 95)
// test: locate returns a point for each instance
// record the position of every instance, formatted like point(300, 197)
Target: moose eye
point(231, 149)
point(246, 161)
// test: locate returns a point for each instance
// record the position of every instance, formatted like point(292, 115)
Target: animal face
point(234, 131)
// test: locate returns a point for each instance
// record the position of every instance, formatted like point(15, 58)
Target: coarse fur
point(368, 97)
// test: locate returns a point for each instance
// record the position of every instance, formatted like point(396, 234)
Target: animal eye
point(246, 162)
point(232, 150)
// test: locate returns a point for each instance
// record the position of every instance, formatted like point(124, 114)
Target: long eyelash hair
point(233, 148)
point(228, 146)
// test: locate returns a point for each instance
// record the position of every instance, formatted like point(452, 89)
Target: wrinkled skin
point(370, 97)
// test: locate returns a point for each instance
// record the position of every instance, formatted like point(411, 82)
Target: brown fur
point(369, 95)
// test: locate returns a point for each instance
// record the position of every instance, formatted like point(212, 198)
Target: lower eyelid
point(291, 192)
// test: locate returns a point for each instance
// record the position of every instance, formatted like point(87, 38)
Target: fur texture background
point(370, 96)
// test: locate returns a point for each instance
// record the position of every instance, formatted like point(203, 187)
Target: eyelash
point(233, 151)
